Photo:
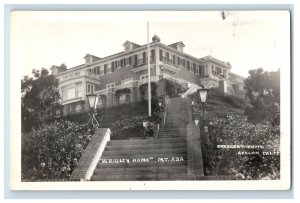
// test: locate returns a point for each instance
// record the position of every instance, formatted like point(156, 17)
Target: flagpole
point(149, 76)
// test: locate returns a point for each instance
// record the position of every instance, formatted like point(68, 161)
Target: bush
point(53, 150)
point(173, 88)
point(235, 130)
point(227, 125)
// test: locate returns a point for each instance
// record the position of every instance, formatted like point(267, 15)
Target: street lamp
point(93, 100)
point(203, 96)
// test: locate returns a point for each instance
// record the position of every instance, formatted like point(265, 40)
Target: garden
point(234, 146)
point(52, 151)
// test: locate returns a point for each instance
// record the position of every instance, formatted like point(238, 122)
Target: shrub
point(227, 125)
point(173, 88)
point(144, 87)
point(235, 130)
point(53, 150)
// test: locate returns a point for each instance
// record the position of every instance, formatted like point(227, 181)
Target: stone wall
point(91, 155)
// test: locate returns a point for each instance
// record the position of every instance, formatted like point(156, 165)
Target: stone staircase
point(164, 158)
point(150, 159)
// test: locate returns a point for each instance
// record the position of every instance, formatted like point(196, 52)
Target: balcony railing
point(80, 74)
point(91, 75)
point(169, 61)
point(140, 62)
point(152, 79)
point(123, 86)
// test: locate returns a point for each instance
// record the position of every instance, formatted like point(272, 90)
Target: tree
point(263, 91)
point(39, 96)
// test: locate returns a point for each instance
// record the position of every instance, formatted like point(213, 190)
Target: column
point(157, 61)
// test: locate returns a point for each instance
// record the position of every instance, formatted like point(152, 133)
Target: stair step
point(169, 136)
point(141, 164)
point(172, 132)
point(175, 128)
point(137, 171)
point(144, 151)
point(145, 141)
point(145, 177)
point(145, 146)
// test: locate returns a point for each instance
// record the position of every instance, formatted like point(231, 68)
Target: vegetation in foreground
point(52, 151)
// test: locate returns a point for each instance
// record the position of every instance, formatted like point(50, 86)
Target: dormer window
point(128, 47)
point(178, 45)
point(91, 58)
point(88, 59)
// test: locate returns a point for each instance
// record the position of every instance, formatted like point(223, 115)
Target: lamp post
point(93, 100)
point(203, 96)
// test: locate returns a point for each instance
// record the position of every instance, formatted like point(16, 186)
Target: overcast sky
point(246, 39)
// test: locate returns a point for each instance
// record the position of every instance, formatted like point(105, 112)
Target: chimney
point(58, 69)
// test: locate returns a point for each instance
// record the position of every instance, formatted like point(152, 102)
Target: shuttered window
point(105, 68)
point(144, 57)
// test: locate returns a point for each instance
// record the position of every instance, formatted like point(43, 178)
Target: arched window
point(122, 99)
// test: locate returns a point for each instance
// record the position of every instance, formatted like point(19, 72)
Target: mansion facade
point(118, 78)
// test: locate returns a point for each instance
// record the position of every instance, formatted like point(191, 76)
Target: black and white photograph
point(154, 100)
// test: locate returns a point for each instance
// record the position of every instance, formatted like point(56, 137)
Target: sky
point(246, 39)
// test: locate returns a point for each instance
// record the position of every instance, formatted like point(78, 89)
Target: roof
point(180, 42)
point(209, 57)
point(141, 46)
point(96, 57)
point(129, 42)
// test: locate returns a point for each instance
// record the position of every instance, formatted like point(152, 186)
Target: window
point(90, 88)
point(178, 61)
point(140, 59)
point(135, 59)
point(224, 73)
point(188, 65)
point(105, 69)
point(160, 55)
point(152, 55)
point(129, 60)
point(194, 67)
point(78, 89)
point(198, 70)
point(101, 70)
point(174, 58)
point(213, 70)
point(112, 66)
point(126, 61)
point(110, 85)
point(167, 56)
point(122, 99)
point(143, 77)
point(128, 47)
point(71, 91)
point(202, 71)
point(183, 62)
point(119, 64)
point(144, 58)
point(78, 108)
point(64, 93)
